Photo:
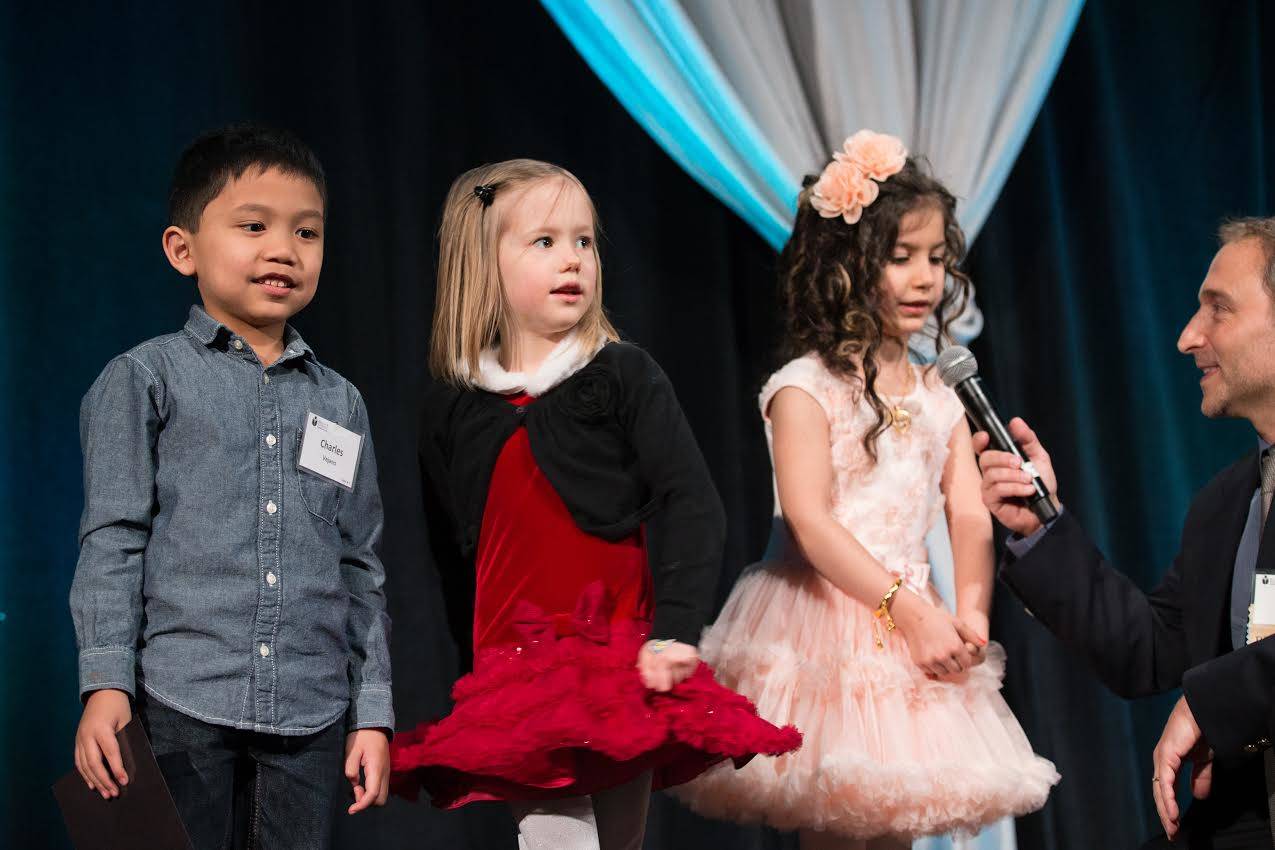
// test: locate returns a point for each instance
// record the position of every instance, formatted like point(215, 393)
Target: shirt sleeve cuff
point(108, 667)
point(371, 708)
point(1020, 546)
point(680, 626)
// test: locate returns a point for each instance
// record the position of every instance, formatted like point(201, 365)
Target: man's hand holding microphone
point(1019, 488)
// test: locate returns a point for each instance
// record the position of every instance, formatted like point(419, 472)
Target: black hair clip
point(485, 193)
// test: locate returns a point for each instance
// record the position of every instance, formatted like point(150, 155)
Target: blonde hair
point(471, 312)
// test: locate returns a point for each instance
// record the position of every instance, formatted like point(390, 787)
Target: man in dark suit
point(1193, 629)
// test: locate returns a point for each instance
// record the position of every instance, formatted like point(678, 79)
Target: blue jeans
point(246, 790)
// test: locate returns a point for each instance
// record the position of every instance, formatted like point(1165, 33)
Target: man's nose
point(1191, 338)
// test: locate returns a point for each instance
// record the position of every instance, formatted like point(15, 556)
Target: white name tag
point(329, 450)
point(1264, 599)
point(1261, 614)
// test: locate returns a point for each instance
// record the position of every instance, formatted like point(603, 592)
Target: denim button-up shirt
point(233, 585)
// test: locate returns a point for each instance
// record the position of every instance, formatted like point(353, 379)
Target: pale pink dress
point(886, 751)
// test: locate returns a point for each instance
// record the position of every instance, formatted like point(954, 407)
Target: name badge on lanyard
point(330, 451)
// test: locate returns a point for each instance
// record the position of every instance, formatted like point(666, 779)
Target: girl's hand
point(977, 622)
point(937, 640)
point(664, 664)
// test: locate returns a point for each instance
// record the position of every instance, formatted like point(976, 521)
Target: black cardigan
point(613, 442)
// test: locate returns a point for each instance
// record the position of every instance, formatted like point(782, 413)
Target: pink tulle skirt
point(886, 751)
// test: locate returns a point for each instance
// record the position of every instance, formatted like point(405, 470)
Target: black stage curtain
point(1153, 130)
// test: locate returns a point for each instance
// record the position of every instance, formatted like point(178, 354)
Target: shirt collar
point(211, 332)
point(204, 327)
point(1262, 448)
point(569, 356)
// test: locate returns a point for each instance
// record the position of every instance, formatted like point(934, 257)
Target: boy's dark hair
point(223, 155)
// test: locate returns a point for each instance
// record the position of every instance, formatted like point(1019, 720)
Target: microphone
point(959, 370)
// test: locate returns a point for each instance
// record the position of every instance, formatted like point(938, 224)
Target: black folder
point(142, 816)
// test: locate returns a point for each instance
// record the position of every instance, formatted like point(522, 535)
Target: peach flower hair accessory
point(880, 156)
point(849, 183)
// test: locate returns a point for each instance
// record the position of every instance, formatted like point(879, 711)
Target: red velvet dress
point(555, 706)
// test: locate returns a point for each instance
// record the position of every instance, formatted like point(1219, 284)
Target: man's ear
point(177, 247)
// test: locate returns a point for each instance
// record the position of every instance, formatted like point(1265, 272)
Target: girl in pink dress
point(839, 632)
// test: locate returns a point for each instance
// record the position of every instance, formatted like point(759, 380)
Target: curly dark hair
point(830, 277)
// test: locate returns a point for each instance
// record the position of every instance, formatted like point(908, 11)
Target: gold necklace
point(900, 417)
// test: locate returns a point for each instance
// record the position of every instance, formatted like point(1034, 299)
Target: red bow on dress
point(591, 620)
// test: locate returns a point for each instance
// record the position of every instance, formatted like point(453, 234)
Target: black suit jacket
point(1176, 635)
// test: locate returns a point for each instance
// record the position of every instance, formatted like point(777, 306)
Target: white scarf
point(569, 356)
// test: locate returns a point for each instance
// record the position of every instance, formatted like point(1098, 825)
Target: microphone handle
point(980, 410)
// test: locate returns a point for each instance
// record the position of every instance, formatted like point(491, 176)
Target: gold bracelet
point(883, 611)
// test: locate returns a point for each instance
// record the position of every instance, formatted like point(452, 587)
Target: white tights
point(614, 819)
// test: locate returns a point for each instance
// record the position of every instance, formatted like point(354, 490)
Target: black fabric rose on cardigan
point(589, 395)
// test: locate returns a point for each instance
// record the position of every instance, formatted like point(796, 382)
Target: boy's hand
point(105, 713)
point(668, 666)
point(368, 749)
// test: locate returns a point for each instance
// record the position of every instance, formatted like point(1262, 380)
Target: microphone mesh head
point(956, 364)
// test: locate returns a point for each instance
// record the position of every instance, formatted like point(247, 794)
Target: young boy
point(228, 585)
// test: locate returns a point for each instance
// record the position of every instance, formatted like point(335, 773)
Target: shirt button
point(238, 345)
point(271, 507)
point(270, 440)
point(270, 579)
point(265, 650)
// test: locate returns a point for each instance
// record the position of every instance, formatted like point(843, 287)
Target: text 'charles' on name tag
point(329, 450)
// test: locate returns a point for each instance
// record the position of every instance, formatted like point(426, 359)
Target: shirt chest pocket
point(320, 496)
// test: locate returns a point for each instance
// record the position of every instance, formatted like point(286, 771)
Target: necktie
point(1268, 481)
point(1268, 490)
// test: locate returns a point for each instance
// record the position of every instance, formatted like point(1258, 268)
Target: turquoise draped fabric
point(648, 53)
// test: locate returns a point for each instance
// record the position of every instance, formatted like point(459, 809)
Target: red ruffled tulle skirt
point(566, 714)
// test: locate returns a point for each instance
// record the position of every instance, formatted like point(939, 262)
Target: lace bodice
point(890, 505)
